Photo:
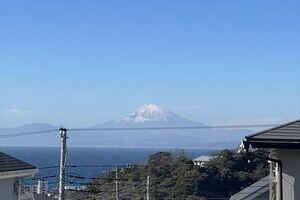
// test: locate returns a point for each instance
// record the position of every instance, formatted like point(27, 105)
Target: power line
point(143, 181)
point(19, 134)
point(77, 176)
point(120, 165)
point(44, 177)
point(102, 179)
point(175, 127)
point(27, 133)
point(96, 166)
point(49, 167)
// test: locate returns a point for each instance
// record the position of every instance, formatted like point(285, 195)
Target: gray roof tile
point(284, 136)
point(254, 191)
point(289, 131)
point(9, 163)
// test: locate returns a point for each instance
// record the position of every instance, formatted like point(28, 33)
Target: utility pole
point(148, 187)
point(117, 184)
point(63, 151)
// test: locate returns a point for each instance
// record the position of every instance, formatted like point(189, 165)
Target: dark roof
point(258, 190)
point(286, 136)
point(9, 163)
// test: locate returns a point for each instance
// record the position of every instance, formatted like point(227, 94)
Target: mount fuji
point(154, 116)
point(149, 115)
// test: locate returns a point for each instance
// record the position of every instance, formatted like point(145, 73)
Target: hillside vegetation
point(174, 176)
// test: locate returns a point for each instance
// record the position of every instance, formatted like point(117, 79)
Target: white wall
point(291, 172)
point(7, 189)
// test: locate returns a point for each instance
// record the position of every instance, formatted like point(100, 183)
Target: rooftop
point(9, 163)
point(286, 136)
point(203, 158)
point(258, 190)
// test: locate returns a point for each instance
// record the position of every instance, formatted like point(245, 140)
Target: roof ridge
point(271, 129)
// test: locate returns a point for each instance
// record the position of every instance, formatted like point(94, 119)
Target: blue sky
point(81, 63)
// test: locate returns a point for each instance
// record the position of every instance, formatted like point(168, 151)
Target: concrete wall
point(7, 190)
point(291, 172)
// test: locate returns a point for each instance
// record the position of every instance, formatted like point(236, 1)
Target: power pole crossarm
point(63, 151)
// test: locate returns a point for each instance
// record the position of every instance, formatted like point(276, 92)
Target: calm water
point(49, 156)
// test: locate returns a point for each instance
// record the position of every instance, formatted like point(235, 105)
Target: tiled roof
point(9, 163)
point(258, 190)
point(284, 136)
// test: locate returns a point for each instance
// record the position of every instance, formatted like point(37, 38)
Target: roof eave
point(269, 143)
point(18, 173)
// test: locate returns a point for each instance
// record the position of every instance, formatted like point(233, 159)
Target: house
point(258, 190)
point(12, 170)
point(201, 160)
point(283, 143)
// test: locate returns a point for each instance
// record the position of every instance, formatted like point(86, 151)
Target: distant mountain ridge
point(149, 115)
point(29, 128)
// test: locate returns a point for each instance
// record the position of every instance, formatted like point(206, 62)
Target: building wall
point(8, 190)
point(291, 172)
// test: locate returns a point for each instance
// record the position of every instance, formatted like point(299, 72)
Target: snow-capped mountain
point(151, 115)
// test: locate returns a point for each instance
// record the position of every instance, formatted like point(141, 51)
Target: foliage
point(174, 176)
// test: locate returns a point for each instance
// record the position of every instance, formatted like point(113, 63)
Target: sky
point(81, 63)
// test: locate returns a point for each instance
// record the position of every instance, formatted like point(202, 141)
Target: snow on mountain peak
point(151, 109)
point(148, 113)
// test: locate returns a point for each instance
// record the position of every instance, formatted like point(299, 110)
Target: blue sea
point(85, 159)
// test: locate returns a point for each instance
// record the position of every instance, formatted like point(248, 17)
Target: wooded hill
point(174, 176)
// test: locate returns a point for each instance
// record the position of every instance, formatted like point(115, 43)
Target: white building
point(201, 160)
point(12, 171)
point(283, 143)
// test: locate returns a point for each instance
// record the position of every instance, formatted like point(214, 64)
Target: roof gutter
point(18, 173)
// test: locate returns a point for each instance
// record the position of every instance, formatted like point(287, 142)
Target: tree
point(174, 176)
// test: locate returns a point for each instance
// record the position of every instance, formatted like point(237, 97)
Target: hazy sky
point(81, 63)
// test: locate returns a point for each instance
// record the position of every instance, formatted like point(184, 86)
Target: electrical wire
point(27, 133)
point(49, 167)
point(119, 165)
point(174, 127)
point(140, 128)
point(44, 177)
point(19, 134)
